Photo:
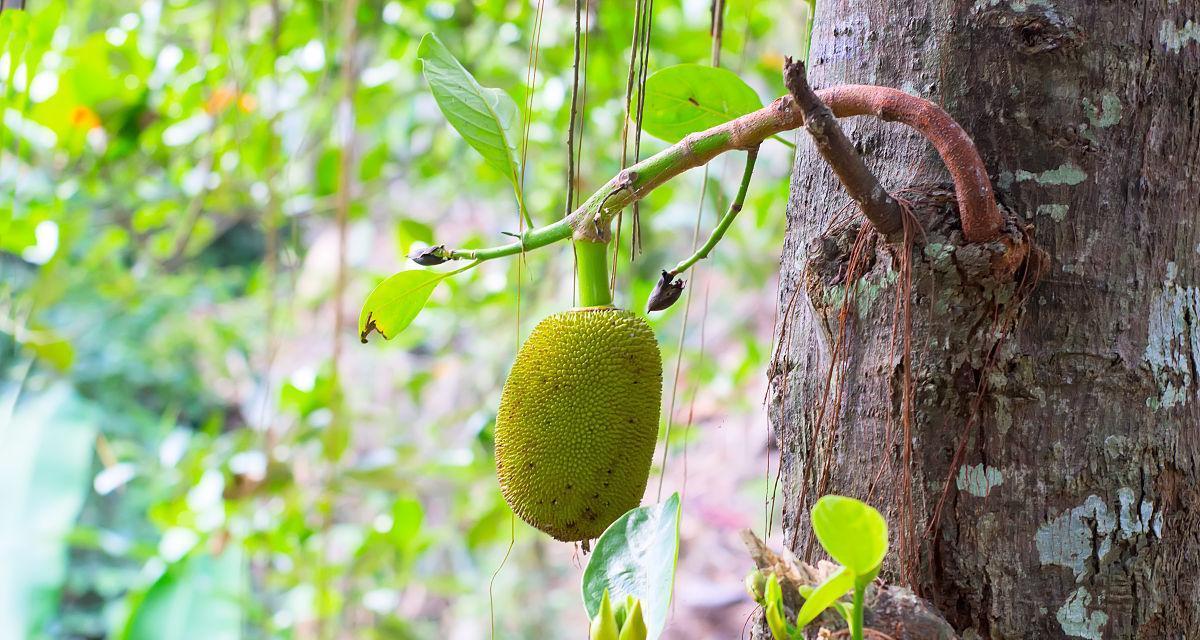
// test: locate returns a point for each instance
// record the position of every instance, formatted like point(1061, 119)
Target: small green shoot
point(604, 625)
point(624, 622)
point(855, 535)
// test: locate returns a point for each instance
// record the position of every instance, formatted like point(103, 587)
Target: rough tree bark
point(1076, 510)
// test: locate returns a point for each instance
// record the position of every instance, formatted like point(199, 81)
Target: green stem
point(592, 261)
point(856, 625)
point(723, 225)
point(593, 219)
point(468, 267)
point(532, 239)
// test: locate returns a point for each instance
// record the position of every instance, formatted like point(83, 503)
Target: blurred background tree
point(195, 197)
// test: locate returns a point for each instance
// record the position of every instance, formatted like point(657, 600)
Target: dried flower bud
point(665, 293)
point(430, 256)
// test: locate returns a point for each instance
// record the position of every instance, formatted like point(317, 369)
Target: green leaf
point(834, 587)
point(49, 346)
point(841, 607)
point(486, 118)
point(773, 609)
point(687, 98)
point(777, 622)
point(409, 232)
point(197, 598)
point(394, 304)
point(407, 516)
point(372, 163)
point(329, 169)
point(852, 533)
point(774, 593)
point(636, 557)
point(45, 470)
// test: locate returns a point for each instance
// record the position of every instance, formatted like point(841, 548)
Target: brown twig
point(877, 205)
point(571, 122)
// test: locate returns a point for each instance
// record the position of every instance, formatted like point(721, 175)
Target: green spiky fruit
point(578, 421)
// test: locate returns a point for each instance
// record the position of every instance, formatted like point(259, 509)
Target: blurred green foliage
point(189, 449)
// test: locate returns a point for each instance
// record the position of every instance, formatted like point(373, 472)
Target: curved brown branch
point(980, 215)
point(977, 207)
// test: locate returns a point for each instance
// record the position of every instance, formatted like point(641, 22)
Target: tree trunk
point(1075, 511)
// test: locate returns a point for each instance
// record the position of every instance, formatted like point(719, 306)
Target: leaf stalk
point(723, 225)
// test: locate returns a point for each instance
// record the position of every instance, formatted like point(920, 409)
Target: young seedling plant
point(856, 536)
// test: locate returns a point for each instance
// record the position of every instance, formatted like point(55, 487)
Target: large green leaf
point(45, 468)
point(687, 98)
point(636, 557)
point(393, 305)
point(852, 532)
point(197, 598)
point(486, 118)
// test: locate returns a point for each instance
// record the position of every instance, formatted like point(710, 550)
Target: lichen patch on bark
point(1173, 343)
point(1077, 537)
point(978, 479)
point(1067, 173)
point(1137, 518)
point(1078, 619)
point(1175, 36)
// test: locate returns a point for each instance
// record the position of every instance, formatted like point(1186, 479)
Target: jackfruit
point(578, 421)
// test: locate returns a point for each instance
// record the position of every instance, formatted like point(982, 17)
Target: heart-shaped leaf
point(636, 557)
point(486, 118)
point(687, 98)
point(852, 532)
point(394, 304)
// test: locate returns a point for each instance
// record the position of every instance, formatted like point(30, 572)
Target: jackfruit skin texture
point(578, 421)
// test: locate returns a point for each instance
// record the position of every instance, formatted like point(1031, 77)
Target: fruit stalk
point(591, 259)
